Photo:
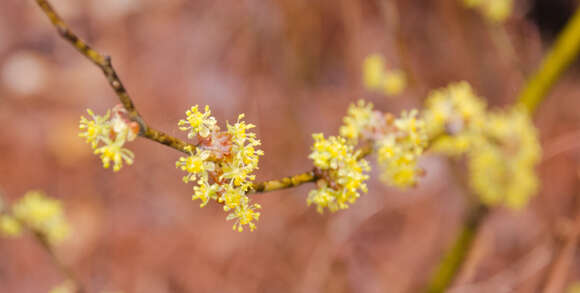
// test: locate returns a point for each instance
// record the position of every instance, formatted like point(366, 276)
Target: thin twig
point(69, 274)
point(302, 178)
point(104, 63)
point(46, 246)
point(447, 269)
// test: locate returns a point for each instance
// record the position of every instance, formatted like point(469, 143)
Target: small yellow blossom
point(107, 136)
point(197, 122)
point(42, 214)
point(244, 214)
point(204, 192)
point(377, 78)
point(502, 166)
point(360, 121)
point(455, 116)
point(114, 152)
point(342, 174)
point(395, 81)
point(222, 165)
point(9, 226)
point(196, 165)
point(398, 150)
point(95, 130)
point(373, 71)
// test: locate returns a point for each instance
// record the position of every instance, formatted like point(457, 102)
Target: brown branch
point(104, 63)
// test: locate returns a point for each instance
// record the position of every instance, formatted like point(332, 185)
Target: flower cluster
point(399, 149)
point(455, 116)
point(496, 11)
point(377, 78)
point(222, 164)
point(341, 173)
point(39, 213)
point(398, 142)
point(108, 134)
point(502, 146)
point(502, 165)
point(360, 122)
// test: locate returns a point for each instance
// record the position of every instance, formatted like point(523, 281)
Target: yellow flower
point(9, 226)
point(359, 121)
point(377, 78)
point(107, 135)
point(42, 214)
point(342, 174)
point(245, 214)
point(398, 150)
point(223, 165)
point(394, 82)
point(502, 165)
point(95, 130)
point(197, 165)
point(373, 71)
point(197, 122)
point(114, 152)
point(455, 116)
point(204, 192)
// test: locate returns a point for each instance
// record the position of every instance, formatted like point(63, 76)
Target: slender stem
point(69, 274)
point(284, 183)
point(302, 178)
point(447, 269)
point(555, 62)
point(558, 59)
point(45, 244)
point(104, 63)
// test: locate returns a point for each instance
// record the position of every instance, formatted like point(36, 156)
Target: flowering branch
point(555, 62)
point(104, 63)
point(68, 273)
point(299, 179)
point(43, 218)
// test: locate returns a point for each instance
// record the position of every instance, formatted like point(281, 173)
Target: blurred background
point(293, 67)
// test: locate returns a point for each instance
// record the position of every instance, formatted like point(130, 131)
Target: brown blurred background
point(292, 66)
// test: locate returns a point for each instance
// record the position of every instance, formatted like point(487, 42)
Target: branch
point(104, 63)
point(447, 269)
point(45, 244)
point(555, 62)
point(558, 59)
point(302, 178)
point(41, 239)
